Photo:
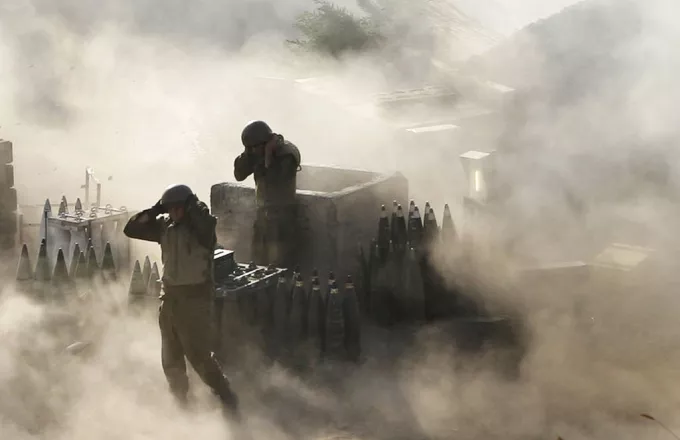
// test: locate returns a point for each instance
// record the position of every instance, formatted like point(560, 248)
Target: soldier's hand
point(191, 202)
point(255, 155)
point(157, 209)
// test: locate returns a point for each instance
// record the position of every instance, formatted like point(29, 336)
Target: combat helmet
point(256, 133)
point(176, 194)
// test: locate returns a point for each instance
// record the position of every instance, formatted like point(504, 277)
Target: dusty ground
point(577, 381)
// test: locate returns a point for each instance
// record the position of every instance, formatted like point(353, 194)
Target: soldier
point(274, 163)
point(187, 238)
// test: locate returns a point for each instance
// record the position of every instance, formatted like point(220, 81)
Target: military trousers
point(187, 332)
point(276, 236)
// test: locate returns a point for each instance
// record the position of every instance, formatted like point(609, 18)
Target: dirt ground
point(415, 382)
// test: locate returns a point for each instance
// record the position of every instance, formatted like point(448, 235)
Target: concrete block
point(338, 211)
point(6, 152)
point(7, 175)
point(234, 206)
point(622, 265)
point(8, 199)
point(562, 277)
point(622, 257)
point(8, 223)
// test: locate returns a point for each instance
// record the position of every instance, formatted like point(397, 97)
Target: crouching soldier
point(188, 239)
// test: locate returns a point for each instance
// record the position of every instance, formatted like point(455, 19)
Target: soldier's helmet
point(176, 194)
point(256, 133)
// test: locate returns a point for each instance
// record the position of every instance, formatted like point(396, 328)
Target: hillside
point(576, 42)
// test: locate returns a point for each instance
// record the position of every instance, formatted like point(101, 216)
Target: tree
point(333, 30)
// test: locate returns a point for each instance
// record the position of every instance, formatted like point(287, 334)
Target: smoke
point(112, 392)
point(593, 142)
point(150, 94)
point(588, 158)
point(135, 104)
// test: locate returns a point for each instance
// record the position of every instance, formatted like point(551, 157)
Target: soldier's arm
point(243, 166)
point(289, 167)
point(203, 224)
point(289, 157)
point(144, 226)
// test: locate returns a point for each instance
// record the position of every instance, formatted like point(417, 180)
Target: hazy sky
point(502, 16)
point(505, 16)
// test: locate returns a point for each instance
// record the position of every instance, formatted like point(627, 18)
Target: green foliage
point(333, 30)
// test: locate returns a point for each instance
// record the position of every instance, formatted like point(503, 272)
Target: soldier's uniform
point(188, 295)
point(275, 233)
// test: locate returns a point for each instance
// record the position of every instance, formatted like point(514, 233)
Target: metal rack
point(88, 221)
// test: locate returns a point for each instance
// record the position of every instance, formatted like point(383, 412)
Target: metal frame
point(79, 219)
point(89, 176)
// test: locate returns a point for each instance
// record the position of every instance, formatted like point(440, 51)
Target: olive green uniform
point(186, 305)
point(275, 233)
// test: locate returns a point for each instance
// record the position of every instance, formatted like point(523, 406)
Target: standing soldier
point(274, 163)
point(187, 238)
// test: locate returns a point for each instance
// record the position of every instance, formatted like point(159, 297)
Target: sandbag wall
point(399, 282)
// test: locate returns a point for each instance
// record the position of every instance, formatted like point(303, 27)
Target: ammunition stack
point(65, 280)
point(74, 287)
point(398, 280)
point(81, 250)
point(145, 285)
point(292, 322)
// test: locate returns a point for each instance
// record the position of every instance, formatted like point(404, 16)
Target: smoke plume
point(149, 93)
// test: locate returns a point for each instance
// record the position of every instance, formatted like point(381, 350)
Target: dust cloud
point(150, 94)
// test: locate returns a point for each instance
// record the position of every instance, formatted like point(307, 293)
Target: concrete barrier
point(8, 199)
point(337, 212)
